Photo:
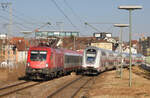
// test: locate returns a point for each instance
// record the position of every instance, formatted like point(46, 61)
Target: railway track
point(13, 88)
point(139, 70)
point(71, 89)
point(12, 85)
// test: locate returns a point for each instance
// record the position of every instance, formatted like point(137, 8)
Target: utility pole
point(4, 6)
point(120, 44)
point(10, 18)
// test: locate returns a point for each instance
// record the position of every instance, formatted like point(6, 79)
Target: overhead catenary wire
point(36, 24)
point(69, 20)
point(4, 24)
point(79, 18)
point(39, 23)
point(3, 17)
point(25, 21)
point(4, 9)
point(102, 22)
point(18, 25)
point(19, 18)
point(32, 20)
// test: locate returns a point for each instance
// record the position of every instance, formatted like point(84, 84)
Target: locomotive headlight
point(28, 64)
point(46, 65)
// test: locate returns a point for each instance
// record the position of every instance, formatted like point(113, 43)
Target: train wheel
point(52, 75)
point(59, 73)
point(64, 73)
point(55, 74)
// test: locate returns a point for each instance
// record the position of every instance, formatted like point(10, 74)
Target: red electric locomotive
point(46, 62)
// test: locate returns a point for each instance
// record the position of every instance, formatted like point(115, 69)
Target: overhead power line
point(102, 23)
point(14, 23)
point(92, 27)
point(63, 13)
point(21, 19)
point(4, 18)
point(30, 20)
point(66, 3)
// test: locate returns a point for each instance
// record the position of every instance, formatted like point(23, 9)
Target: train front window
point(91, 55)
point(38, 55)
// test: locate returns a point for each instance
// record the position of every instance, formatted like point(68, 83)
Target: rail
point(70, 89)
point(145, 72)
point(12, 85)
point(10, 89)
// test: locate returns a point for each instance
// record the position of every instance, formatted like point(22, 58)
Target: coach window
point(76, 60)
point(67, 59)
point(91, 55)
point(80, 60)
point(72, 60)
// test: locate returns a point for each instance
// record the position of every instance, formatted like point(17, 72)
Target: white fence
point(22, 56)
point(8, 64)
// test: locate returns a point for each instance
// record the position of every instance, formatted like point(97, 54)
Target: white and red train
point(96, 60)
point(46, 62)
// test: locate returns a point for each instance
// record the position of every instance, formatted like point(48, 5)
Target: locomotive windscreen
point(38, 55)
point(91, 55)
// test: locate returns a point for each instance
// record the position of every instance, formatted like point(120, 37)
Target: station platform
point(109, 85)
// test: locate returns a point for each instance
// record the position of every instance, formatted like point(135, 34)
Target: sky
point(71, 15)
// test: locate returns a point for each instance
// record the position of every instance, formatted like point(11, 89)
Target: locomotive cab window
point(38, 55)
point(91, 55)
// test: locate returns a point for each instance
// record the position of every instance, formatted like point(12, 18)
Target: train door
point(104, 60)
point(67, 62)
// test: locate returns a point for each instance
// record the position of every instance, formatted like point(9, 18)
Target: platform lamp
point(130, 9)
point(120, 43)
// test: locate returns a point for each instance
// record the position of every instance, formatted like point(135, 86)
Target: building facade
point(145, 46)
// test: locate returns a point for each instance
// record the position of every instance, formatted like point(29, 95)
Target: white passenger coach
point(96, 60)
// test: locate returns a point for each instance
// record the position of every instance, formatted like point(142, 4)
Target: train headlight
point(28, 64)
point(46, 65)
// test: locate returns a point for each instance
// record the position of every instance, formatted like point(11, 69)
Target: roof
point(20, 43)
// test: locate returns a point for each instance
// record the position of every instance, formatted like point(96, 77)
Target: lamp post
point(130, 9)
point(120, 42)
